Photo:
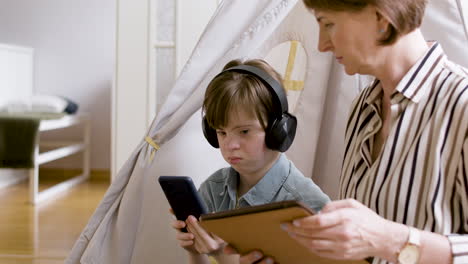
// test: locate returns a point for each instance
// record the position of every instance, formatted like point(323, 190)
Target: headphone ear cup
point(210, 133)
point(281, 133)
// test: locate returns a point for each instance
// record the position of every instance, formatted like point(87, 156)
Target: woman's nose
point(324, 43)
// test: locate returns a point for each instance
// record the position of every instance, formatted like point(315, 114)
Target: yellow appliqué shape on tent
point(289, 84)
point(155, 146)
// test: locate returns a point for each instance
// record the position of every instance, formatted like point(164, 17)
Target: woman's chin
point(350, 71)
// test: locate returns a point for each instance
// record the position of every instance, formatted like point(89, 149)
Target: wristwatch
point(409, 254)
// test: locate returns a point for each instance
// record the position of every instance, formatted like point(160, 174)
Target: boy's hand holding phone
point(185, 239)
point(196, 240)
point(205, 243)
point(187, 206)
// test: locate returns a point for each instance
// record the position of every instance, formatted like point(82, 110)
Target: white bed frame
point(16, 81)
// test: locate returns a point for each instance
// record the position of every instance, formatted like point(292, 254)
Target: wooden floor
point(45, 233)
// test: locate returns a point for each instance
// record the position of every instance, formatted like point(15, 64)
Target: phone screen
point(182, 196)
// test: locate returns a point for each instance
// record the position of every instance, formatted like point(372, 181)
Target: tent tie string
point(153, 144)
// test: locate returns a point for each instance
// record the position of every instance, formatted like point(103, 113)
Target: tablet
point(258, 227)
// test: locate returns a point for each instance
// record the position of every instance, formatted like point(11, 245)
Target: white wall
point(133, 108)
point(130, 95)
point(192, 18)
point(74, 44)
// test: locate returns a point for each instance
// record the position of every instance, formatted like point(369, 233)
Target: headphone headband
point(278, 93)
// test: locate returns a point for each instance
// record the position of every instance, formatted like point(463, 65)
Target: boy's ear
point(281, 133)
point(210, 134)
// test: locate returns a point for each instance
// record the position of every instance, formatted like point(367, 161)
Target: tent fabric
point(131, 224)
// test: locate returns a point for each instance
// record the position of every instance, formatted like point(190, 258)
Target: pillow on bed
point(40, 104)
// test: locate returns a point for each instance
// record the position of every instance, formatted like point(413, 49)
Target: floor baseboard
point(10, 177)
point(58, 174)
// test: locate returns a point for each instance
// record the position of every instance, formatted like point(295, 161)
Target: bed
point(21, 150)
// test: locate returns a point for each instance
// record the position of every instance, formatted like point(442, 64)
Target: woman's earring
point(381, 31)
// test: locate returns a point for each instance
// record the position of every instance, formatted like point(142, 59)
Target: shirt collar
point(415, 84)
point(265, 190)
point(374, 93)
point(230, 183)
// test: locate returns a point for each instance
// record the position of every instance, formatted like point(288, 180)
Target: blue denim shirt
point(282, 182)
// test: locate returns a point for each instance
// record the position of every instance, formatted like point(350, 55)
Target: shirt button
point(369, 129)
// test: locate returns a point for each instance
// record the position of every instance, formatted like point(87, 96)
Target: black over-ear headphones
point(281, 130)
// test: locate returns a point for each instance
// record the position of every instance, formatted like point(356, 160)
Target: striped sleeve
point(459, 242)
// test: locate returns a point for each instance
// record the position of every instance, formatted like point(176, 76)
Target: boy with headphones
point(246, 116)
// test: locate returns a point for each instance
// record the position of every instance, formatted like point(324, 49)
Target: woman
point(404, 178)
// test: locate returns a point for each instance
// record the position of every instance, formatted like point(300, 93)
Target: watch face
point(409, 255)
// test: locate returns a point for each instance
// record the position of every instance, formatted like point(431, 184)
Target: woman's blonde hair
point(404, 16)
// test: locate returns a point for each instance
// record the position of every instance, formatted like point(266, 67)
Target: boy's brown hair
point(404, 16)
point(234, 90)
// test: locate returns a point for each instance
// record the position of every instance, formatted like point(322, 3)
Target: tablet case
point(258, 227)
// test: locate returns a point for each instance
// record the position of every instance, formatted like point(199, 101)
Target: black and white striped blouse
point(421, 176)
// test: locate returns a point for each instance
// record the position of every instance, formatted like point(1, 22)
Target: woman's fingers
point(334, 249)
point(340, 224)
point(322, 248)
point(308, 227)
point(315, 245)
point(322, 221)
point(344, 230)
point(334, 205)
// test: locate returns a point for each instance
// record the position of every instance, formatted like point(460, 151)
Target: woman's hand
point(205, 243)
point(348, 230)
point(250, 258)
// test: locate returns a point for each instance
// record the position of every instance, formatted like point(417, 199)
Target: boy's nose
point(232, 142)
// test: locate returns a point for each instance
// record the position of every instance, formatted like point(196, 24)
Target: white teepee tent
point(131, 225)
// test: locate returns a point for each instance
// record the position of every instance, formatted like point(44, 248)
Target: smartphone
point(182, 196)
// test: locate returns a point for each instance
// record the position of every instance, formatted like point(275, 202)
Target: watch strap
point(414, 236)
point(409, 254)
